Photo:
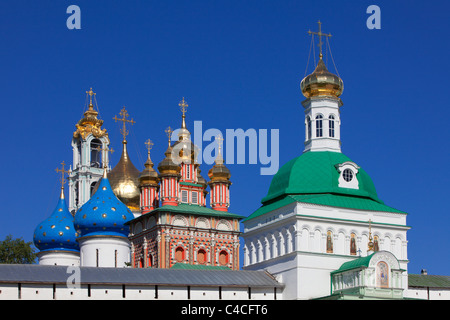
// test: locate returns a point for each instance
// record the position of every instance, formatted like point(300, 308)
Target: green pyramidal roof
point(316, 173)
point(313, 178)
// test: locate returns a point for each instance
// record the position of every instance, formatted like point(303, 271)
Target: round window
point(347, 175)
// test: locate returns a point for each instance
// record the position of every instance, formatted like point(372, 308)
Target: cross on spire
point(320, 34)
point(90, 93)
point(149, 143)
point(168, 132)
point(183, 107)
point(63, 181)
point(125, 115)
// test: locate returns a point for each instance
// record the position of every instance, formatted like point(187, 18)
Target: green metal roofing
point(331, 200)
point(186, 266)
point(354, 264)
point(316, 172)
point(429, 281)
point(190, 209)
point(313, 178)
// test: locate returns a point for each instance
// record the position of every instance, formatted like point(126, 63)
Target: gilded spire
point(183, 107)
point(219, 158)
point(125, 115)
point(370, 243)
point(149, 144)
point(90, 93)
point(168, 132)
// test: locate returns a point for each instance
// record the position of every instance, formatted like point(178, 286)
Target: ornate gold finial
point(90, 93)
point(125, 115)
point(149, 143)
point(320, 34)
point(183, 107)
point(370, 244)
point(168, 132)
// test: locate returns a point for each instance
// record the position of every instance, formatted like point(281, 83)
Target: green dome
point(317, 173)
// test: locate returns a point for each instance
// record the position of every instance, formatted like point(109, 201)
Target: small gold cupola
point(321, 82)
point(89, 124)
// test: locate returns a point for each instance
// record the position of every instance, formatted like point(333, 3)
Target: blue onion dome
point(103, 214)
point(57, 232)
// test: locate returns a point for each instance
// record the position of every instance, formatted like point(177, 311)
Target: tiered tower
point(311, 230)
point(90, 145)
point(183, 230)
point(149, 184)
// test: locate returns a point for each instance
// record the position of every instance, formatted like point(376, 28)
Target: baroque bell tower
point(90, 145)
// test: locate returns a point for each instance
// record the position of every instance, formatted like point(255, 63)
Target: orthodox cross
point(91, 93)
point(149, 143)
point(102, 150)
point(183, 107)
point(168, 132)
point(219, 158)
point(320, 34)
point(125, 115)
point(63, 181)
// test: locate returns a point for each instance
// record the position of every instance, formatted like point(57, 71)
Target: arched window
point(150, 261)
point(319, 126)
point(201, 256)
point(96, 151)
point(331, 126)
point(223, 258)
point(308, 126)
point(179, 254)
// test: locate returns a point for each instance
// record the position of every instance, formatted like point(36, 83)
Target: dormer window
point(347, 178)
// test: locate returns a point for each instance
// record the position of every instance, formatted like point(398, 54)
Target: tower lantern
point(219, 181)
point(149, 183)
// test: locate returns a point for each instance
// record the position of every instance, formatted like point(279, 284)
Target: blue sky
point(239, 65)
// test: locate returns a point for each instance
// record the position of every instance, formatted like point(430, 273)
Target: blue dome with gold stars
point(57, 232)
point(103, 214)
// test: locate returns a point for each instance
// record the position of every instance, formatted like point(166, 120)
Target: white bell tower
point(90, 145)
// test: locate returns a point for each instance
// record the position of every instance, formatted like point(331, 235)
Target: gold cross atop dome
point(63, 181)
point(149, 143)
point(125, 115)
point(168, 132)
point(183, 107)
point(90, 93)
point(320, 34)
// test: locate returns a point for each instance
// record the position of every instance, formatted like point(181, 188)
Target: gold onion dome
point(148, 176)
point(124, 180)
point(322, 83)
point(219, 172)
point(167, 166)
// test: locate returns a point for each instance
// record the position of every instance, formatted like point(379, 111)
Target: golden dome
point(322, 83)
point(149, 176)
point(124, 180)
point(167, 166)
